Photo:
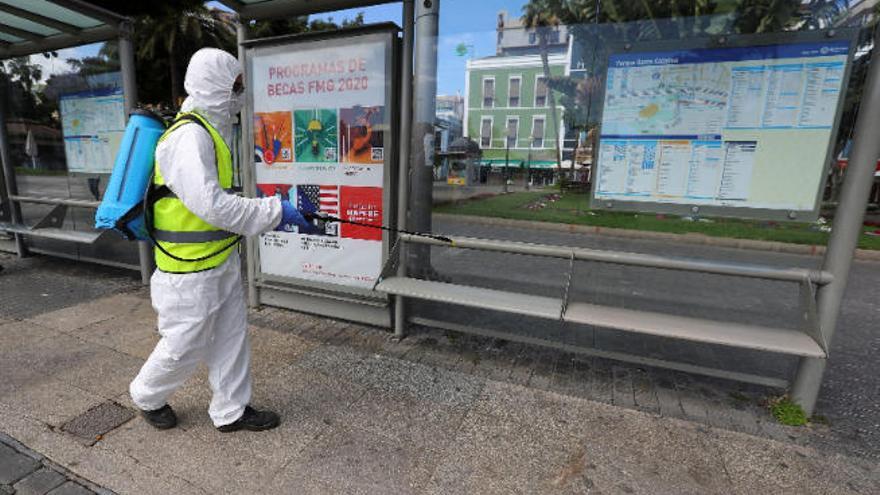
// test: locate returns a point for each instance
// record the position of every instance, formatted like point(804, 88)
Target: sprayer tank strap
point(190, 237)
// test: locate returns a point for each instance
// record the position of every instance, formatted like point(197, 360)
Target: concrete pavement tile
point(14, 465)
point(768, 466)
point(102, 371)
point(307, 402)
point(189, 457)
point(624, 395)
point(71, 488)
point(354, 461)
point(119, 333)
point(330, 360)
point(141, 348)
point(492, 455)
point(33, 354)
point(574, 377)
point(51, 401)
point(633, 452)
point(272, 350)
point(527, 406)
point(603, 381)
point(303, 394)
point(125, 474)
point(81, 315)
point(645, 393)
point(410, 421)
point(405, 379)
point(39, 482)
point(37, 435)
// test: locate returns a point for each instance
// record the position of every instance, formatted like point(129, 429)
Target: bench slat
point(780, 340)
point(52, 233)
point(543, 307)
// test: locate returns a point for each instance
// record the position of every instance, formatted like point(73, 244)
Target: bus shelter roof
point(263, 9)
point(34, 26)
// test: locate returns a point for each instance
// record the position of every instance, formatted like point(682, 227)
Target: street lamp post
point(506, 157)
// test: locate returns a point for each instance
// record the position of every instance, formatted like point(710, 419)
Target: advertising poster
point(319, 142)
point(93, 123)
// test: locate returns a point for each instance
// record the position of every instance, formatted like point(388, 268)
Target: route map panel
point(734, 127)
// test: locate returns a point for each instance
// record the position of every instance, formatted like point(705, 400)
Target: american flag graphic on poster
point(319, 198)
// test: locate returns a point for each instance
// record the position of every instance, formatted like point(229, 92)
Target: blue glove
point(291, 216)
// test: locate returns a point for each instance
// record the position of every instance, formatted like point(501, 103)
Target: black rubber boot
point(253, 420)
point(162, 418)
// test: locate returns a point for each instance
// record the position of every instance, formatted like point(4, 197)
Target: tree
point(300, 24)
point(542, 16)
point(176, 32)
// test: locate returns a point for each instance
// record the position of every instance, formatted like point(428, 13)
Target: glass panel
point(65, 117)
point(10, 38)
point(538, 133)
point(512, 130)
point(486, 133)
point(33, 27)
point(488, 93)
point(540, 91)
point(514, 91)
point(52, 11)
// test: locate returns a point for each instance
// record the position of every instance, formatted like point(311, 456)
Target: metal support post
point(406, 107)
point(847, 228)
point(427, 16)
point(129, 90)
point(251, 245)
point(11, 189)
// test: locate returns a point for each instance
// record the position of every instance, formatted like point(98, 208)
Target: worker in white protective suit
point(197, 288)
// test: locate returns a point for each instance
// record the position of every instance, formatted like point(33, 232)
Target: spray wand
point(323, 217)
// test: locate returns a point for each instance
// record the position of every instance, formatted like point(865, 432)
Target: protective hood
point(209, 79)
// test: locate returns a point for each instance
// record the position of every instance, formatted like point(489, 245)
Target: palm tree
point(541, 15)
point(178, 31)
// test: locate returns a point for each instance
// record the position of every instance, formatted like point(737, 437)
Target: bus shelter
point(371, 159)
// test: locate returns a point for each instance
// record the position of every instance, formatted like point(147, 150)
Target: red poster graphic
point(362, 205)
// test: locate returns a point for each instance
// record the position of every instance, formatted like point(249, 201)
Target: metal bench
point(50, 226)
point(806, 342)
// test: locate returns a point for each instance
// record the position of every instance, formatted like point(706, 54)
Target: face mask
point(236, 103)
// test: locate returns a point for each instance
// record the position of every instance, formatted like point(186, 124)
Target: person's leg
point(184, 322)
point(229, 360)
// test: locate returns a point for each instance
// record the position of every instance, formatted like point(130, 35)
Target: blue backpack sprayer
point(128, 201)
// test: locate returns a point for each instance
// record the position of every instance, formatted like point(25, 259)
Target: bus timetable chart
point(744, 126)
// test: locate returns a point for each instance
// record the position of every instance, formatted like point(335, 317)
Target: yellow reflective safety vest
point(179, 231)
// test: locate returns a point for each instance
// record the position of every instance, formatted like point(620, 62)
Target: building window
point(488, 93)
point(538, 132)
point(512, 131)
point(513, 98)
point(541, 91)
point(486, 132)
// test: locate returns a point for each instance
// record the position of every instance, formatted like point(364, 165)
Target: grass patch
point(787, 412)
point(739, 396)
point(574, 209)
point(38, 171)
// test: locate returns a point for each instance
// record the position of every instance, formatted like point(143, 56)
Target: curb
point(689, 238)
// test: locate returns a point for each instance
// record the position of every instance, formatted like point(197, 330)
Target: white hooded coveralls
point(203, 315)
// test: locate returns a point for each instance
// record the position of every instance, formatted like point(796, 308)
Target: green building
point(507, 104)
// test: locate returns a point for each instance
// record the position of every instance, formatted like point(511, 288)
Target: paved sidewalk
point(25, 472)
point(435, 413)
